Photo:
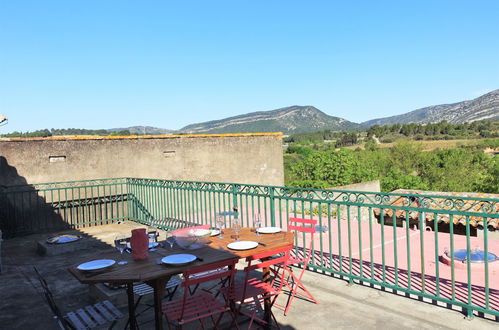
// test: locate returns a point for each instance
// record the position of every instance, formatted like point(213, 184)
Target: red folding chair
point(192, 307)
point(253, 292)
point(303, 255)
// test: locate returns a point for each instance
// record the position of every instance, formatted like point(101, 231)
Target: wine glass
point(220, 225)
point(236, 225)
point(170, 239)
point(152, 234)
point(258, 223)
point(120, 242)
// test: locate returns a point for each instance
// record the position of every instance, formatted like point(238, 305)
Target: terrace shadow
point(22, 210)
point(416, 281)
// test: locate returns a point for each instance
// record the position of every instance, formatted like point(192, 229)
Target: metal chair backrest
point(303, 226)
point(263, 259)
point(226, 269)
point(49, 298)
point(276, 257)
point(153, 234)
point(227, 266)
point(123, 240)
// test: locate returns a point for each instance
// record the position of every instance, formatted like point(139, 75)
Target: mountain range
point(289, 120)
point(143, 130)
point(485, 107)
point(303, 119)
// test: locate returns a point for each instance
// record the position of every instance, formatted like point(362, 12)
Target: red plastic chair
point(294, 281)
point(192, 307)
point(253, 292)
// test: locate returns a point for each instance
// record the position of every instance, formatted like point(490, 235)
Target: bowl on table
point(193, 239)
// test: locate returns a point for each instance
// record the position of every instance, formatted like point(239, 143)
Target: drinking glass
point(120, 242)
point(152, 234)
point(220, 225)
point(258, 223)
point(236, 225)
point(170, 239)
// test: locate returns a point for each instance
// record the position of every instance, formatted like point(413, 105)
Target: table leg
point(159, 290)
point(131, 306)
point(267, 316)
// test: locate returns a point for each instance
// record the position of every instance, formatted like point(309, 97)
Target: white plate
point(215, 232)
point(151, 245)
point(61, 239)
point(96, 264)
point(178, 259)
point(200, 232)
point(269, 230)
point(242, 245)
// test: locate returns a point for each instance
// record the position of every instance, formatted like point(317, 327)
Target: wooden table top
point(149, 269)
point(272, 241)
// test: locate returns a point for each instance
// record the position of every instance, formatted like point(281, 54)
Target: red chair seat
point(198, 305)
point(192, 307)
point(253, 291)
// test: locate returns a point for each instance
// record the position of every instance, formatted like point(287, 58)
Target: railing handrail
point(484, 199)
point(3, 188)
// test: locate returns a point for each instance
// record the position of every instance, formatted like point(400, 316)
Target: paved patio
point(341, 306)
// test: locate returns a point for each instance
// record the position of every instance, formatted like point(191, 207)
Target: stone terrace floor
point(22, 305)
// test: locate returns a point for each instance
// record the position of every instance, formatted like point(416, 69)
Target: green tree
point(370, 145)
point(329, 169)
point(456, 170)
point(490, 182)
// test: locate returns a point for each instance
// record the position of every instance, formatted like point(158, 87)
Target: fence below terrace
point(45, 207)
point(365, 237)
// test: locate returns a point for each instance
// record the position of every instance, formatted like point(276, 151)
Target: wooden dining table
point(157, 274)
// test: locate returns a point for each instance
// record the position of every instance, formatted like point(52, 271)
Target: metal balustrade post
point(235, 208)
point(272, 205)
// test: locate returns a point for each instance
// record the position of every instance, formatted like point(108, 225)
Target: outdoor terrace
point(364, 273)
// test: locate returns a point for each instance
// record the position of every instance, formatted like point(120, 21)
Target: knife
point(262, 244)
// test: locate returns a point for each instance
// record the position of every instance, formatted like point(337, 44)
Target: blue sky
point(106, 64)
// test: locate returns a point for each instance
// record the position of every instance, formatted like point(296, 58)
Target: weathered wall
point(239, 158)
point(368, 186)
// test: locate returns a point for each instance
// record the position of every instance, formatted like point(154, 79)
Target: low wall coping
point(139, 137)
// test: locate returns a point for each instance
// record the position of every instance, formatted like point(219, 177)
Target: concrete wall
point(239, 158)
point(369, 186)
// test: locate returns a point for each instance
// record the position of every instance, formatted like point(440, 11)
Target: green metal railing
point(26, 209)
point(391, 241)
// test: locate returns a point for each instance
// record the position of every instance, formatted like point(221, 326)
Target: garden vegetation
point(315, 164)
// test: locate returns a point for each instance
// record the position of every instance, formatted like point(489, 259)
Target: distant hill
point(148, 130)
point(289, 120)
point(485, 107)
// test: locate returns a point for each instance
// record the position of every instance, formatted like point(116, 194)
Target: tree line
point(389, 133)
point(441, 130)
point(66, 131)
point(404, 166)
